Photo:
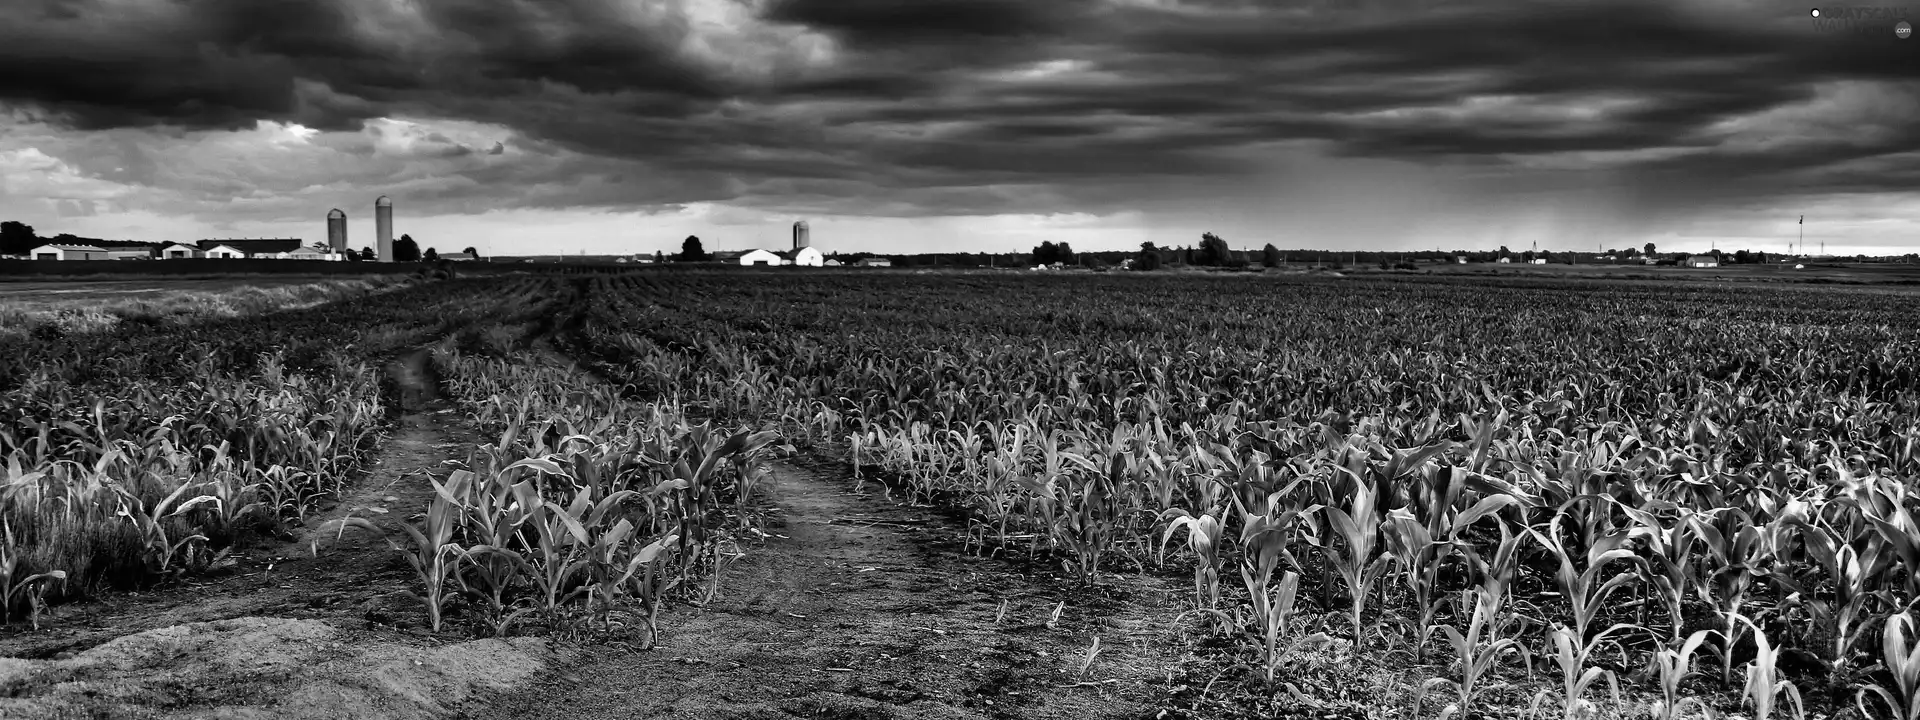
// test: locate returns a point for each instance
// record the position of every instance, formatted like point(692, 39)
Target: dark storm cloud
point(888, 22)
point(947, 94)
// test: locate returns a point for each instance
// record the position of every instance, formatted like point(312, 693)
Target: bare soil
point(282, 631)
point(859, 607)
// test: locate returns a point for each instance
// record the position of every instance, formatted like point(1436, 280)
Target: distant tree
point(367, 254)
point(1743, 257)
point(1504, 252)
point(17, 238)
point(1648, 249)
point(430, 255)
point(406, 250)
point(1046, 253)
point(472, 253)
point(1063, 253)
point(1213, 251)
point(352, 256)
point(1270, 256)
point(691, 251)
point(1632, 253)
point(659, 257)
point(1149, 258)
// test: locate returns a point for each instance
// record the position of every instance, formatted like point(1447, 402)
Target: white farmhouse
point(68, 252)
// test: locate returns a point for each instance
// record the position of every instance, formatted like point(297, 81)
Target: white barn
point(225, 252)
point(69, 252)
point(130, 254)
point(1703, 261)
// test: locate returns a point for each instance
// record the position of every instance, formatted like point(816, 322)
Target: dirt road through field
point(859, 607)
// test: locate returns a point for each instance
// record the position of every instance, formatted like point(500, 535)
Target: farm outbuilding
point(1504, 260)
point(803, 257)
point(875, 262)
point(1703, 261)
point(180, 251)
point(308, 253)
point(69, 252)
point(760, 257)
point(129, 254)
point(244, 248)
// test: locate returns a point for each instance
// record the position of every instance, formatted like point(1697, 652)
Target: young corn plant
point(1203, 539)
point(1479, 650)
point(1901, 657)
point(1585, 590)
point(429, 546)
point(1672, 666)
point(18, 588)
point(1764, 685)
point(1350, 540)
point(1576, 676)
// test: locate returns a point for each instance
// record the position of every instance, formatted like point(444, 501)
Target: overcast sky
point(524, 126)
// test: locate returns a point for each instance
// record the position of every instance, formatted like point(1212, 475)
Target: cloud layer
point(1628, 116)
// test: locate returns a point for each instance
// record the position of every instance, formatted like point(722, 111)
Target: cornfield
point(1643, 498)
point(1595, 482)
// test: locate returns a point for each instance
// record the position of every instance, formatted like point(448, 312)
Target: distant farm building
point(760, 257)
point(180, 251)
point(1460, 259)
point(246, 248)
point(1504, 260)
point(130, 254)
point(803, 257)
point(831, 263)
point(1703, 261)
point(1538, 261)
point(69, 252)
point(875, 262)
point(307, 253)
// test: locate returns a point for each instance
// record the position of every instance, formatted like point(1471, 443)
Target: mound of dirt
point(269, 668)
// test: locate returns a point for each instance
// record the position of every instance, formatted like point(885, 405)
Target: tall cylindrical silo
point(383, 227)
point(337, 230)
point(800, 238)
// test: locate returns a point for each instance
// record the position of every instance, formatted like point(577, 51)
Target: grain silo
point(337, 231)
point(800, 238)
point(383, 227)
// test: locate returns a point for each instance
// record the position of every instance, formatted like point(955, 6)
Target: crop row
point(587, 502)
